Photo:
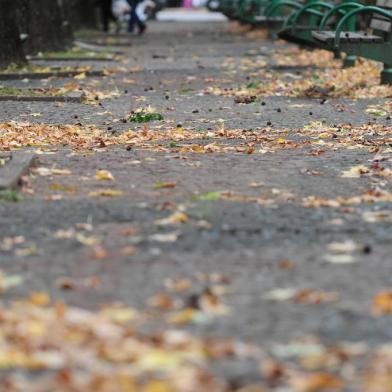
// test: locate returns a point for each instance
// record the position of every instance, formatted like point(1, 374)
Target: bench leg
point(349, 61)
point(272, 34)
point(386, 74)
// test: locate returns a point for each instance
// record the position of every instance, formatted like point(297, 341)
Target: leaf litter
point(103, 350)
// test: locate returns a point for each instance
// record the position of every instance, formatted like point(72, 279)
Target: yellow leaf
point(324, 135)
point(161, 360)
point(106, 193)
point(87, 240)
point(158, 386)
point(80, 76)
point(174, 219)
point(61, 172)
point(120, 315)
point(355, 172)
point(39, 298)
point(182, 317)
point(104, 175)
point(382, 302)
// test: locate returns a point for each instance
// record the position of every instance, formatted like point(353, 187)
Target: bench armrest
point(242, 9)
point(308, 9)
point(274, 6)
point(341, 8)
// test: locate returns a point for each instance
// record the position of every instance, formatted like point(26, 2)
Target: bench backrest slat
point(384, 4)
point(379, 22)
point(382, 25)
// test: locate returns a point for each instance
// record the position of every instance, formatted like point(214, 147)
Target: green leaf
point(376, 112)
point(209, 196)
point(186, 90)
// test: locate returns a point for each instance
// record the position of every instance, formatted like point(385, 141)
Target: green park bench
point(250, 10)
point(314, 15)
point(375, 46)
point(276, 13)
point(226, 7)
point(319, 24)
point(230, 8)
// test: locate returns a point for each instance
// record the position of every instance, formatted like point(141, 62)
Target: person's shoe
point(142, 29)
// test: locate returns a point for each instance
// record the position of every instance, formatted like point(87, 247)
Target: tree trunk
point(43, 22)
point(83, 13)
point(11, 50)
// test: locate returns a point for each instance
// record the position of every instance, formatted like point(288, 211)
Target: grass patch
point(75, 54)
point(144, 117)
point(29, 68)
point(10, 196)
point(209, 196)
point(14, 92)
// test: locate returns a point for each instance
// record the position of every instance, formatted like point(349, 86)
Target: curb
point(74, 97)
point(45, 75)
point(18, 165)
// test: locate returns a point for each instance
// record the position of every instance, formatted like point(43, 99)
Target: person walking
point(134, 18)
point(106, 13)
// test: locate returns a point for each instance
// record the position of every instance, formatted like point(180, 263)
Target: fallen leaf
point(178, 285)
point(161, 301)
point(280, 294)
point(104, 175)
point(355, 172)
point(302, 295)
point(315, 382)
point(382, 302)
point(128, 250)
point(164, 237)
point(45, 171)
point(315, 296)
point(376, 112)
point(106, 193)
point(174, 219)
point(339, 258)
point(39, 298)
point(9, 281)
point(209, 196)
point(80, 76)
point(87, 240)
point(377, 216)
point(348, 246)
point(160, 185)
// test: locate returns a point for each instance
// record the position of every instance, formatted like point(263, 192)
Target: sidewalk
point(195, 15)
point(257, 211)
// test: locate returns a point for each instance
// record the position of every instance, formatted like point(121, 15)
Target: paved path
point(262, 199)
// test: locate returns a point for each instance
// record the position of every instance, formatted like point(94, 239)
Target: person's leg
point(111, 15)
point(135, 18)
point(131, 23)
point(106, 7)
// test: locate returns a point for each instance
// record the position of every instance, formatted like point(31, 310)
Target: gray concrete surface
point(261, 219)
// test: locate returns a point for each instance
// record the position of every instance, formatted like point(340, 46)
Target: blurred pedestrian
point(135, 19)
point(106, 13)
